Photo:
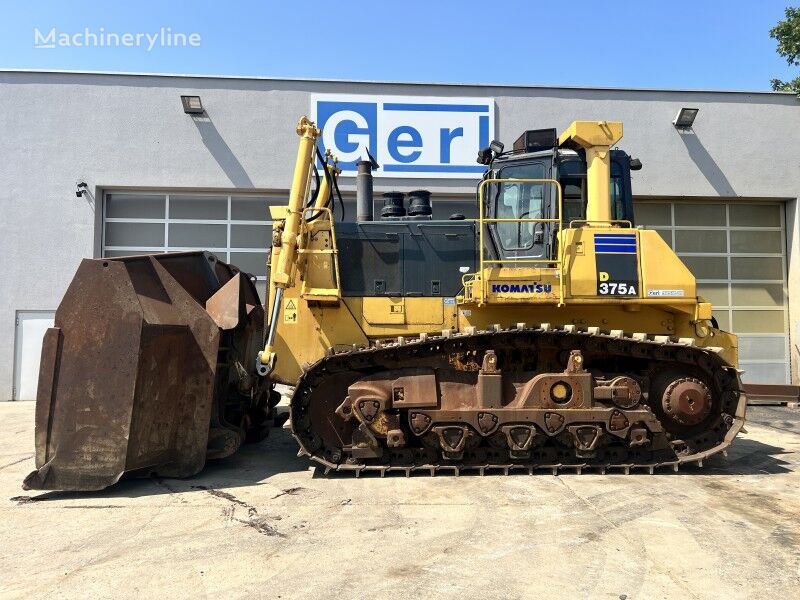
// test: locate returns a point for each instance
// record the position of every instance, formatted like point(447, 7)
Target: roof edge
point(392, 82)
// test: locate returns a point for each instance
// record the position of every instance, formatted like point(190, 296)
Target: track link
point(325, 382)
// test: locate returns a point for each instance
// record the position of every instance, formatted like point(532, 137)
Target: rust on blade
point(224, 306)
point(136, 372)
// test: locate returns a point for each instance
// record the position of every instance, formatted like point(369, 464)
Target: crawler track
point(324, 436)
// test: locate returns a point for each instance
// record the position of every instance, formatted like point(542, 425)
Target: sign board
point(409, 136)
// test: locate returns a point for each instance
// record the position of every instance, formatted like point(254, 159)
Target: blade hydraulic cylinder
point(295, 213)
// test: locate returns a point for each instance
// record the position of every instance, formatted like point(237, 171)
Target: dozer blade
point(136, 372)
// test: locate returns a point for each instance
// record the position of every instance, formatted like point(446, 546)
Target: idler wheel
point(686, 401)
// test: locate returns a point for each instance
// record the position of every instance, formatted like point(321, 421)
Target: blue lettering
point(532, 287)
point(395, 143)
point(347, 128)
point(446, 137)
point(350, 124)
point(342, 135)
point(483, 131)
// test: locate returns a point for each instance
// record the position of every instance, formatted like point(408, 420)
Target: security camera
point(82, 189)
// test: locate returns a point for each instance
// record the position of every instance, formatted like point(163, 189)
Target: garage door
point(234, 227)
point(737, 251)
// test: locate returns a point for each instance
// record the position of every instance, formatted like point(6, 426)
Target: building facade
point(723, 193)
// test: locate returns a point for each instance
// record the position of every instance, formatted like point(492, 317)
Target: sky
point(677, 44)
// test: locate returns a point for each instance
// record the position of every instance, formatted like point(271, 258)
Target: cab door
point(520, 200)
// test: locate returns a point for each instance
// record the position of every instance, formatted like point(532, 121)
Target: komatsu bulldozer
point(548, 333)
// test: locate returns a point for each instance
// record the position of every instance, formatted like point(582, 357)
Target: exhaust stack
point(393, 206)
point(419, 204)
point(364, 191)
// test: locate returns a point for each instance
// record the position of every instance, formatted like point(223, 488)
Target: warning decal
point(290, 312)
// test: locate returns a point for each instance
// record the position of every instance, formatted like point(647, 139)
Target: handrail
point(486, 220)
point(609, 222)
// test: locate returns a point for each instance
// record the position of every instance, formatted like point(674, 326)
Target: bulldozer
point(549, 333)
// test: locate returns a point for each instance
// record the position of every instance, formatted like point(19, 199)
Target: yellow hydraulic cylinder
point(596, 137)
point(297, 200)
point(281, 277)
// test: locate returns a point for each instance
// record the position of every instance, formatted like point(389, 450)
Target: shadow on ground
point(251, 465)
point(748, 457)
point(255, 463)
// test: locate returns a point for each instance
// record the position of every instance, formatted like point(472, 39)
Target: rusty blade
point(225, 306)
point(127, 379)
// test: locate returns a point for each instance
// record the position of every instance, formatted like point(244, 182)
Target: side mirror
point(636, 164)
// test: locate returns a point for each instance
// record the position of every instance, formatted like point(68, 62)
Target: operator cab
point(537, 156)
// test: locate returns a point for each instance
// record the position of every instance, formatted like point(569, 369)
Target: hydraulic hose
point(328, 178)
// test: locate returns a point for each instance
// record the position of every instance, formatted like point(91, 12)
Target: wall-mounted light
point(685, 118)
point(192, 105)
point(80, 192)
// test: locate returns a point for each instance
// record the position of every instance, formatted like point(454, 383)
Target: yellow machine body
point(309, 328)
point(314, 318)
point(573, 343)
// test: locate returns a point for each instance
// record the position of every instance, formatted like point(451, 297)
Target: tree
point(787, 32)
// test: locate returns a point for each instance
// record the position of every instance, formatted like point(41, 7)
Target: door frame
point(15, 362)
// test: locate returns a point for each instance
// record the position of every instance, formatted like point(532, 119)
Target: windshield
point(520, 201)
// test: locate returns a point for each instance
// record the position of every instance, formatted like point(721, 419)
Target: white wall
point(130, 131)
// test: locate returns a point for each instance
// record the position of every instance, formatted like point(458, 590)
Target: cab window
point(520, 201)
point(572, 176)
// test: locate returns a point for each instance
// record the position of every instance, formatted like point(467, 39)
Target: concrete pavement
point(262, 524)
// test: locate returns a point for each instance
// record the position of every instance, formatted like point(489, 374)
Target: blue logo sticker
point(408, 136)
